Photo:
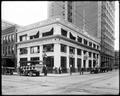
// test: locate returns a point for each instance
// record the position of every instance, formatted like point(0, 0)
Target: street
point(93, 84)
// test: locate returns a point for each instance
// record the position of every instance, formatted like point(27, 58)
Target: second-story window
point(34, 49)
point(85, 41)
point(23, 50)
point(72, 50)
point(72, 37)
point(63, 48)
point(90, 44)
point(79, 39)
point(48, 47)
point(97, 47)
point(12, 37)
point(35, 35)
point(23, 37)
point(94, 45)
point(48, 33)
point(63, 32)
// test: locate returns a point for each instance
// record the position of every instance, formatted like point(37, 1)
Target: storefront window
point(64, 64)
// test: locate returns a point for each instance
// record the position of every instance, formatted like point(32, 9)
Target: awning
point(36, 61)
point(33, 33)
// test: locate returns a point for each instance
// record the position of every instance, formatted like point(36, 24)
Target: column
point(87, 59)
point(92, 59)
point(18, 57)
point(28, 55)
point(41, 52)
point(82, 55)
point(67, 58)
point(75, 59)
point(99, 60)
point(57, 54)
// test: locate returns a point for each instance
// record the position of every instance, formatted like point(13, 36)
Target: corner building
point(63, 42)
point(96, 17)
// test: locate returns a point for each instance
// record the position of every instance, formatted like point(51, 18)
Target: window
point(47, 33)
point(8, 49)
point(79, 39)
point(63, 32)
point(23, 37)
point(78, 51)
point(72, 50)
point(84, 52)
point(90, 44)
point(85, 41)
point(48, 47)
point(50, 63)
point(9, 38)
point(35, 36)
point(23, 50)
point(35, 59)
point(22, 61)
point(97, 47)
point(63, 48)
point(12, 37)
point(72, 37)
point(12, 49)
point(79, 63)
point(64, 63)
point(89, 54)
point(34, 49)
point(94, 55)
point(94, 46)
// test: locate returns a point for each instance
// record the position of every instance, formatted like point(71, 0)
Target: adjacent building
point(8, 48)
point(117, 58)
point(96, 17)
point(62, 42)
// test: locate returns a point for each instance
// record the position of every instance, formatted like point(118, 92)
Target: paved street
point(102, 83)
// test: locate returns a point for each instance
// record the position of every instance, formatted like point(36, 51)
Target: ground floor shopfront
point(107, 60)
point(7, 64)
point(59, 53)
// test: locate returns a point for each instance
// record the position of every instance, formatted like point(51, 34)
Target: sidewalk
point(67, 74)
point(53, 74)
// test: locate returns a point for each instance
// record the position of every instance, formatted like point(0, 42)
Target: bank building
point(59, 43)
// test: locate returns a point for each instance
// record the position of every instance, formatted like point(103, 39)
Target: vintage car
point(31, 68)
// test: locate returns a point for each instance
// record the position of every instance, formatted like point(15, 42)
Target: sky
point(27, 12)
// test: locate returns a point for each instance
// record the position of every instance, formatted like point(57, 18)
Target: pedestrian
point(60, 70)
point(44, 70)
point(70, 69)
point(82, 70)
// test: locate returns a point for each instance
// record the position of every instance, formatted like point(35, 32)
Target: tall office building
point(96, 18)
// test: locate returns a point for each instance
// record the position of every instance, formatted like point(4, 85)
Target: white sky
point(27, 12)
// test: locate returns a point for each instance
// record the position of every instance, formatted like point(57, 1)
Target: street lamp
point(44, 57)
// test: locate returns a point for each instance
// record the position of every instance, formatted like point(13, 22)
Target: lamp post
point(44, 57)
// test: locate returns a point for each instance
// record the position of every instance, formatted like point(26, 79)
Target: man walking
point(70, 69)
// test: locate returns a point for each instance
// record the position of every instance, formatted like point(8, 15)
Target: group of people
point(81, 70)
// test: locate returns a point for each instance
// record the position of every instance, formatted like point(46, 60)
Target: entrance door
point(78, 64)
point(72, 62)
